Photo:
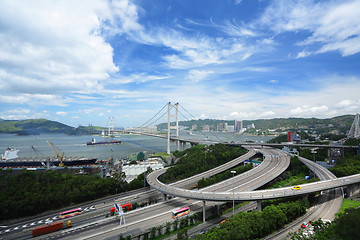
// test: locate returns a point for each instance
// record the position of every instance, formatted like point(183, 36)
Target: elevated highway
point(250, 144)
point(158, 214)
point(154, 182)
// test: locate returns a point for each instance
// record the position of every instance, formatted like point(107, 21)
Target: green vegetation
point(292, 175)
point(29, 193)
point(38, 126)
point(294, 180)
point(223, 176)
point(346, 166)
point(345, 226)
point(347, 203)
point(193, 161)
point(34, 126)
point(336, 125)
point(254, 224)
point(141, 156)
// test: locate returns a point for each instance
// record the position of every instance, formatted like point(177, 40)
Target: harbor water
point(75, 146)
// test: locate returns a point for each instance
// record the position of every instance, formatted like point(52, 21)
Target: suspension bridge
point(174, 110)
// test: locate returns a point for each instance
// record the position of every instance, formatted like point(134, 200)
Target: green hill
point(34, 126)
point(335, 125)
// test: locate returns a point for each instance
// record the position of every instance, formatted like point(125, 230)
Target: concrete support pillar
point(164, 197)
point(349, 190)
point(258, 206)
point(182, 145)
point(204, 211)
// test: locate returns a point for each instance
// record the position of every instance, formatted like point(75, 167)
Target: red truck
point(125, 207)
point(50, 227)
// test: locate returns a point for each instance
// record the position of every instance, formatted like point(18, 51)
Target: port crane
point(42, 156)
point(58, 154)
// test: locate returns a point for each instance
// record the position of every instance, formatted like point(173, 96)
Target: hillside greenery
point(194, 160)
point(204, 182)
point(346, 166)
point(336, 125)
point(39, 126)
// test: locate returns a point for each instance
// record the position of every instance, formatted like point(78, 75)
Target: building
point(238, 126)
point(293, 137)
point(206, 128)
point(220, 127)
point(132, 171)
point(230, 128)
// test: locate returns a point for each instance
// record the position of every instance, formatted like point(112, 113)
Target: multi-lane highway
point(328, 204)
point(99, 209)
point(253, 195)
point(158, 214)
point(94, 225)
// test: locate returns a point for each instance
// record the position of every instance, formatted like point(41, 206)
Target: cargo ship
point(94, 142)
point(10, 159)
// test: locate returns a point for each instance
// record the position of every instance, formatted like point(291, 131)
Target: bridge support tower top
point(176, 127)
point(355, 128)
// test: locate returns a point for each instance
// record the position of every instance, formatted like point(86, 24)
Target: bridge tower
point(355, 128)
point(176, 127)
point(111, 126)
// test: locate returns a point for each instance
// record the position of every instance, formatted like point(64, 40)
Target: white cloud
point(203, 116)
point(309, 109)
point(352, 105)
point(61, 113)
point(197, 75)
point(345, 103)
point(53, 47)
point(21, 114)
point(274, 81)
point(267, 114)
point(303, 54)
point(138, 78)
point(334, 25)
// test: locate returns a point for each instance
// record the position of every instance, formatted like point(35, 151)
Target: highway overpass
point(154, 182)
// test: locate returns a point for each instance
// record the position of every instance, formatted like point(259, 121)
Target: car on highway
point(296, 188)
point(304, 224)
point(202, 231)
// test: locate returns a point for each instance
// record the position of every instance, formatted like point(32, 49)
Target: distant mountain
point(34, 126)
point(335, 125)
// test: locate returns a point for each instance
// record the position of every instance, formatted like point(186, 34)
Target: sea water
point(75, 146)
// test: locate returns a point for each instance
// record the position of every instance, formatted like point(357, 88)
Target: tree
point(141, 156)
point(168, 227)
point(175, 224)
point(153, 232)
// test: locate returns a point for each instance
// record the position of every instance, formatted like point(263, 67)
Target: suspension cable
point(154, 116)
point(195, 118)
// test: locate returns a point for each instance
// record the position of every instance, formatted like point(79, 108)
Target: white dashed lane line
point(39, 222)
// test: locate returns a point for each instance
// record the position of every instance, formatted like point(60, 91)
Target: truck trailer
point(50, 227)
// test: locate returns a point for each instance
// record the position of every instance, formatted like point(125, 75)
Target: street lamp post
point(233, 172)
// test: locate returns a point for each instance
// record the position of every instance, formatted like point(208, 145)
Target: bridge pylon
point(111, 127)
point(355, 128)
point(170, 127)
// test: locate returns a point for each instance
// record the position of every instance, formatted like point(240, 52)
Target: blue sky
point(81, 62)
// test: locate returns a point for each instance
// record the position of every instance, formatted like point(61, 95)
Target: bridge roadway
point(158, 214)
point(16, 231)
point(153, 181)
point(199, 141)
